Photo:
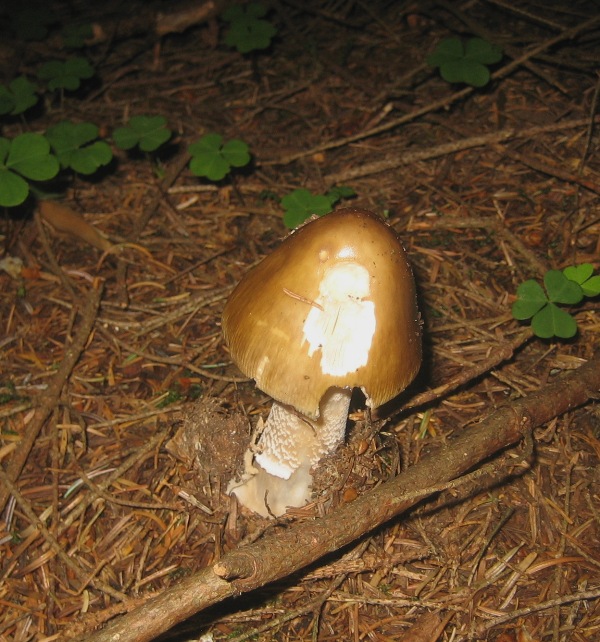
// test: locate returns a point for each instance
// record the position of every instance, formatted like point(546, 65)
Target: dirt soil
point(109, 357)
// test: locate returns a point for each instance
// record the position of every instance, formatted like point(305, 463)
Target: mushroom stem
point(289, 446)
point(290, 439)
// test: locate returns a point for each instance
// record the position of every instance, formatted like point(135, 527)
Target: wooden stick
point(282, 552)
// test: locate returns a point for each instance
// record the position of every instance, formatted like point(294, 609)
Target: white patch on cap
point(343, 324)
point(260, 368)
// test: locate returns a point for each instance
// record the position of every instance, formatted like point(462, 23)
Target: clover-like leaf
point(213, 159)
point(236, 153)
point(579, 273)
point(482, 51)
point(561, 289)
point(591, 287)
point(30, 156)
point(466, 63)
point(7, 101)
point(13, 189)
point(248, 31)
point(567, 287)
point(66, 74)
point(26, 156)
point(301, 204)
point(468, 71)
point(552, 321)
point(207, 159)
point(583, 274)
point(337, 193)
point(75, 146)
point(531, 298)
point(149, 132)
point(18, 97)
point(447, 49)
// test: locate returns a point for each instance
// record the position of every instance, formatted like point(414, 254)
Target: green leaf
point(447, 50)
point(337, 193)
point(469, 72)
point(13, 188)
point(530, 299)
point(460, 63)
point(79, 67)
point(76, 146)
point(580, 273)
point(67, 74)
point(475, 74)
point(482, 51)
point(247, 31)
point(213, 159)
point(149, 132)
point(235, 152)
point(561, 289)
point(18, 97)
point(125, 138)
point(592, 286)
point(552, 321)
point(7, 101)
point(89, 159)
point(206, 159)
point(208, 143)
point(4, 149)
point(301, 204)
point(30, 156)
point(26, 155)
point(67, 136)
point(24, 93)
point(213, 167)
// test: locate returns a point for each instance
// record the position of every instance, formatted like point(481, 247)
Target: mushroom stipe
point(331, 309)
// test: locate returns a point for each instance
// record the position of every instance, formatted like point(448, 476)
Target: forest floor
point(105, 355)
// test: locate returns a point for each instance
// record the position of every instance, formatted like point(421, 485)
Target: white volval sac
point(342, 322)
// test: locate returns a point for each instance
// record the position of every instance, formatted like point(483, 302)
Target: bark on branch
point(283, 552)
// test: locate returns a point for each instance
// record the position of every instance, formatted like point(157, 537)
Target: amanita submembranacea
point(331, 309)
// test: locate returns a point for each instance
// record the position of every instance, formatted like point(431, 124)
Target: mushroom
point(331, 309)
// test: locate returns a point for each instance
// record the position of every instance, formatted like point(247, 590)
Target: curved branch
point(281, 553)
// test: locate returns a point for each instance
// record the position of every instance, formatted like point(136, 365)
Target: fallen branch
point(282, 552)
point(49, 399)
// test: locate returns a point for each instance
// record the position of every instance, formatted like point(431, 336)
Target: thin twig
point(542, 606)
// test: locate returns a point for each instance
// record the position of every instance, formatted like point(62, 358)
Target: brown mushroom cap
point(333, 305)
